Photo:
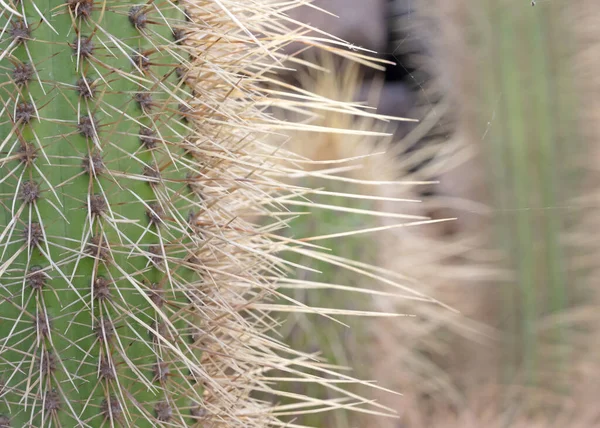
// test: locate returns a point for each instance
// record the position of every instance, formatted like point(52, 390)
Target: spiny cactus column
point(98, 235)
point(132, 153)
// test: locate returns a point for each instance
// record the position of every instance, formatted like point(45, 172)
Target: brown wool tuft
point(29, 192)
point(138, 17)
point(105, 330)
point(5, 422)
point(86, 88)
point(51, 402)
point(198, 412)
point(24, 113)
point(179, 35)
point(163, 333)
point(106, 370)
point(42, 325)
point(156, 255)
point(94, 164)
point(19, 31)
point(188, 16)
point(97, 205)
point(161, 372)
point(153, 174)
point(141, 60)
point(155, 213)
point(192, 221)
point(83, 46)
point(163, 411)
point(98, 248)
point(81, 8)
point(87, 126)
point(144, 100)
point(194, 262)
point(22, 74)
point(156, 294)
point(111, 409)
point(101, 289)
point(185, 112)
point(33, 234)
point(181, 73)
point(47, 363)
point(148, 137)
point(27, 154)
point(36, 279)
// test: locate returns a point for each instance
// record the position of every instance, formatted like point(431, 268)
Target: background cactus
point(532, 151)
point(132, 159)
point(339, 343)
point(522, 356)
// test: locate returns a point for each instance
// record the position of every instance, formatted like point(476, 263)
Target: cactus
point(530, 149)
point(345, 168)
point(341, 344)
point(131, 284)
point(102, 266)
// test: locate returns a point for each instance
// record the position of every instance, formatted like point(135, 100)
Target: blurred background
point(506, 94)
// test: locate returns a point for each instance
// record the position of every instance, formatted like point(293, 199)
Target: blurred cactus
point(340, 342)
point(530, 141)
point(346, 167)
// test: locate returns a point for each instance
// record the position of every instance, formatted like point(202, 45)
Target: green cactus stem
point(97, 235)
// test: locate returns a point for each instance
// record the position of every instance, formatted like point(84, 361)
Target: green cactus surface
point(99, 272)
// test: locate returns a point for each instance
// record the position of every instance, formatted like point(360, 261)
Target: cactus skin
point(97, 258)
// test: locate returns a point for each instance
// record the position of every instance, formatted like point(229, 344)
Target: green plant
point(339, 342)
point(133, 286)
point(102, 269)
point(531, 148)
